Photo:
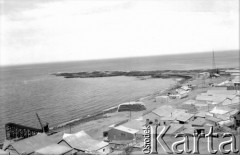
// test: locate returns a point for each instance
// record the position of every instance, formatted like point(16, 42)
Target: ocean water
point(29, 89)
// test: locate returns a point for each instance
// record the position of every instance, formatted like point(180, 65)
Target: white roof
point(126, 129)
point(233, 71)
point(218, 111)
point(2, 152)
point(54, 149)
point(82, 141)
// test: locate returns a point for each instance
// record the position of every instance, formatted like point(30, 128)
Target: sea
point(29, 89)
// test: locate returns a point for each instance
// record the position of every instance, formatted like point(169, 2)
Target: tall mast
point(213, 62)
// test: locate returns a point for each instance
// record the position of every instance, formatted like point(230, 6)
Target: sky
point(40, 31)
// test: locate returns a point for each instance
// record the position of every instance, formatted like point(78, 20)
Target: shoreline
point(102, 114)
point(184, 75)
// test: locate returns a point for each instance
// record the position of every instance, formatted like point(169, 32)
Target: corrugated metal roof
point(54, 149)
point(82, 141)
point(32, 144)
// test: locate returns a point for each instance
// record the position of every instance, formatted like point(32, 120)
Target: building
point(131, 130)
point(55, 149)
point(30, 145)
point(122, 133)
point(82, 142)
point(162, 99)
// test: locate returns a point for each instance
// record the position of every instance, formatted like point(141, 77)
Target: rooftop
point(82, 141)
point(126, 129)
point(54, 149)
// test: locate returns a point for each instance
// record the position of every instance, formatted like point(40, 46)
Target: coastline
point(183, 75)
point(102, 114)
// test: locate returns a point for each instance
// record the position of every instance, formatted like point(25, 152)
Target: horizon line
point(114, 58)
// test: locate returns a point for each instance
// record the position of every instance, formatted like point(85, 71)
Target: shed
point(120, 133)
point(151, 116)
point(81, 141)
point(162, 99)
point(29, 145)
point(55, 149)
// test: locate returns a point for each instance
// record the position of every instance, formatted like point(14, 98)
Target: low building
point(162, 99)
point(120, 133)
point(82, 142)
point(151, 117)
point(29, 145)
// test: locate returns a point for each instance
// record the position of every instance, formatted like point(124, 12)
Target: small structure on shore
point(131, 106)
